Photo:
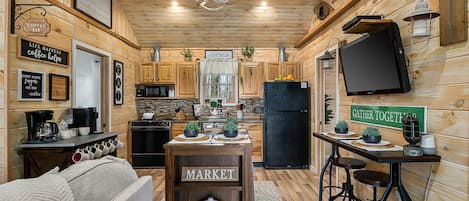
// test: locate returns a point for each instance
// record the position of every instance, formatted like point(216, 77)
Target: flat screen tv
point(375, 63)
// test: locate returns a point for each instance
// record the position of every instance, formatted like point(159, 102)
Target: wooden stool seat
point(349, 163)
point(374, 178)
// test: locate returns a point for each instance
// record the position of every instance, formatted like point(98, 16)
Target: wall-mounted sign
point(219, 54)
point(28, 49)
point(203, 174)
point(30, 85)
point(388, 116)
point(99, 10)
point(118, 83)
point(36, 27)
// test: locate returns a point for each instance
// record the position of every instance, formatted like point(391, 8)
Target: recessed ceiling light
point(174, 3)
point(264, 3)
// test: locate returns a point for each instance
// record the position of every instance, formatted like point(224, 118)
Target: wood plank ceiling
point(242, 22)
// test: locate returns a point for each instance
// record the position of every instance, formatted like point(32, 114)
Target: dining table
point(393, 157)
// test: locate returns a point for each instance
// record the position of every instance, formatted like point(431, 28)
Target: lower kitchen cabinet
point(256, 132)
point(177, 128)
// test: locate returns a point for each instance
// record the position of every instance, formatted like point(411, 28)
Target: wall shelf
point(367, 25)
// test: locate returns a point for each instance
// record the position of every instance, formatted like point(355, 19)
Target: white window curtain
point(219, 80)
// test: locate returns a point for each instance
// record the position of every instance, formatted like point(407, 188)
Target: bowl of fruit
point(284, 78)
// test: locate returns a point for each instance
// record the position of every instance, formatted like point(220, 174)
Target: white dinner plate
point(197, 137)
point(343, 134)
point(382, 143)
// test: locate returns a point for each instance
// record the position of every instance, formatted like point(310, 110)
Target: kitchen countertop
point(72, 142)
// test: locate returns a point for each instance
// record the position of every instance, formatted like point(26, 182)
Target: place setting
point(371, 141)
point(341, 132)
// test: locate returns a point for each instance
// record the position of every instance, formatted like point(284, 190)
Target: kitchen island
point(195, 171)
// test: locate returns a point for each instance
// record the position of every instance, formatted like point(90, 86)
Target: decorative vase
point(230, 133)
point(341, 130)
point(375, 139)
point(188, 59)
point(191, 133)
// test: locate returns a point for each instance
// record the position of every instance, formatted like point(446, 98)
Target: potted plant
point(371, 135)
point(231, 129)
point(187, 53)
point(191, 129)
point(231, 120)
point(341, 127)
point(247, 52)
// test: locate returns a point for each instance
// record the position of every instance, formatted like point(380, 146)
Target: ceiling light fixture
point(264, 4)
point(220, 4)
point(174, 3)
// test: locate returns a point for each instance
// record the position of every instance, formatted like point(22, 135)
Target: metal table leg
point(323, 171)
point(395, 181)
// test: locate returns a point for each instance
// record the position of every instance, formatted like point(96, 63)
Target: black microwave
point(156, 91)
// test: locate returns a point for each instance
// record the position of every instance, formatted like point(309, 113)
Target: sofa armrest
point(140, 190)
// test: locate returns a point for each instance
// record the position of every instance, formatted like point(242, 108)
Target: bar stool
point(347, 187)
point(374, 178)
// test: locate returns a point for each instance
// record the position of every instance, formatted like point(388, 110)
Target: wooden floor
point(293, 185)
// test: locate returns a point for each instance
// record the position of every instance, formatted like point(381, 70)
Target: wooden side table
point(39, 158)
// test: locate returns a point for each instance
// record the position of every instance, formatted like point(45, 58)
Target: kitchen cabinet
point(177, 128)
point(256, 132)
point(187, 84)
point(273, 69)
point(157, 73)
point(166, 73)
point(250, 80)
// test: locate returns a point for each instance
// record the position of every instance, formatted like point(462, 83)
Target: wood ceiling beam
point(326, 22)
point(93, 22)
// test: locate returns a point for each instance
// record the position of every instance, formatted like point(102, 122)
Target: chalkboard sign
point(38, 52)
point(30, 85)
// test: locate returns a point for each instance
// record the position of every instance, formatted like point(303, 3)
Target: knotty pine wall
point(440, 80)
point(173, 54)
point(66, 27)
point(3, 114)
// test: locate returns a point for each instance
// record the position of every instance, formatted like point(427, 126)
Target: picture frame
point(31, 85)
point(99, 10)
point(196, 110)
point(219, 54)
point(118, 82)
point(59, 87)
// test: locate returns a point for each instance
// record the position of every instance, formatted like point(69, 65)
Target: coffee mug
point(79, 155)
point(99, 150)
point(84, 130)
point(90, 154)
point(105, 148)
point(111, 146)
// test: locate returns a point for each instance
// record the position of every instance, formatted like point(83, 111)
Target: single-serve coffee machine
point(85, 117)
point(40, 129)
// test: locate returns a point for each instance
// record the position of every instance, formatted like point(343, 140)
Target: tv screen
point(375, 63)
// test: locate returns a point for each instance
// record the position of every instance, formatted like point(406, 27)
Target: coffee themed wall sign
point(118, 82)
point(32, 50)
point(30, 85)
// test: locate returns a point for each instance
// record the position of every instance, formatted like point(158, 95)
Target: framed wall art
point(58, 87)
point(118, 82)
point(30, 85)
point(99, 10)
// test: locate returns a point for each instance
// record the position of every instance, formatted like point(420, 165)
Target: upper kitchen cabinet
point(187, 80)
point(147, 73)
point(250, 80)
point(273, 69)
point(166, 73)
point(157, 73)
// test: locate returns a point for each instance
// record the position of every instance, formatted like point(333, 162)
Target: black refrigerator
point(286, 125)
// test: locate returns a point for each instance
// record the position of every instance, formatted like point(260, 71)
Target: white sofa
point(105, 179)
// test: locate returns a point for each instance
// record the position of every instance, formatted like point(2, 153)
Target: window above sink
point(219, 80)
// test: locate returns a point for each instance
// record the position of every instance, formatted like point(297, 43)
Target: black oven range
point(148, 138)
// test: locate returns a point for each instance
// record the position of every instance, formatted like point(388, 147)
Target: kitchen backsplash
point(168, 107)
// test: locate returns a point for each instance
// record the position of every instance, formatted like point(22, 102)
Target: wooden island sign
point(31, 50)
point(203, 174)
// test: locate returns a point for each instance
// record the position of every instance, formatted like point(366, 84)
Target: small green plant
point(192, 125)
point(213, 104)
point(247, 51)
point(231, 126)
point(231, 120)
point(371, 131)
point(341, 125)
point(187, 52)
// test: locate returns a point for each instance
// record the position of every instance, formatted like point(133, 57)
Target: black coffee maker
point(40, 129)
point(85, 117)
